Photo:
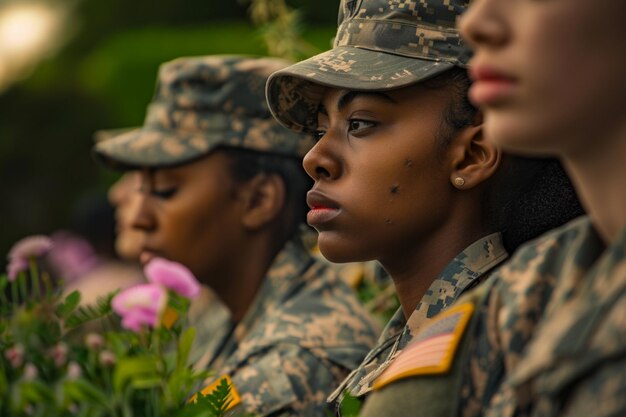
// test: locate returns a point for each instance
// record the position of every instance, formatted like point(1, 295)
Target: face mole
point(394, 189)
point(388, 221)
point(408, 163)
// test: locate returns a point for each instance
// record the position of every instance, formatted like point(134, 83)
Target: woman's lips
point(323, 209)
point(320, 215)
point(146, 256)
point(490, 86)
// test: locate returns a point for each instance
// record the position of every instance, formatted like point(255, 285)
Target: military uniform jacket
point(300, 337)
point(551, 339)
point(467, 269)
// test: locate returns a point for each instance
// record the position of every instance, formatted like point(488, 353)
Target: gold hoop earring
point(459, 182)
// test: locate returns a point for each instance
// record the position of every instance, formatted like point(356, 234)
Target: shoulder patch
point(432, 351)
point(209, 389)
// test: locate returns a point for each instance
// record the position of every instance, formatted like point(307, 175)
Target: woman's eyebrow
point(349, 96)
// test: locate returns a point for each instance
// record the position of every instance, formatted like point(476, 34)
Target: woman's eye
point(164, 193)
point(319, 134)
point(356, 125)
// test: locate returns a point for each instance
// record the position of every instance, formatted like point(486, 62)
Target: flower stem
point(23, 287)
point(14, 295)
point(34, 276)
point(47, 283)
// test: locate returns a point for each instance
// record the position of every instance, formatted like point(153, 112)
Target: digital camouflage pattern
point(302, 334)
point(467, 269)
point(551, 339)
point(380, 44)
point(201, 103)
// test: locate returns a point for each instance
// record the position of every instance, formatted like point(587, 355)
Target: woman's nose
point(482, 24)
point(322, 162)
point(143, 218)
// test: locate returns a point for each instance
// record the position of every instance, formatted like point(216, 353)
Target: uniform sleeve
point(485, 364)
point(601, 394)
point(286, 381)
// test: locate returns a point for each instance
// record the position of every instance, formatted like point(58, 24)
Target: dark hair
point(459, 112)
point(246, 164)
point(527, 196)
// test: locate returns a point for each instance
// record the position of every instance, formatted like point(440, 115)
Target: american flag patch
point(432, 351)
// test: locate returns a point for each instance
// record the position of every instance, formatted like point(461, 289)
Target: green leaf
point(218, 400)
point(82, 391)
point(68, 305)
point(35, 392)
point(350, 406)
point(87, 313)
point(184, 346)
point(135, 368)
point(146, 383)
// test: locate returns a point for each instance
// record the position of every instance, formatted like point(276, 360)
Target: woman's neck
point(415, 270)
point(238, 283)
point(599, 175)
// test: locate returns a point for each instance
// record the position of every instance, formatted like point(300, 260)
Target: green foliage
point(53, 365)
point(88, 313)
point(213, 404)
point(350, 406)
point(377, 293)
point(281, 28)
point(68, 305)
point(218, 400)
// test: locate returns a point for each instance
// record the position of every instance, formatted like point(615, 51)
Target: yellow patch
point(169, 317)
point(234, 395)
point(433, 349)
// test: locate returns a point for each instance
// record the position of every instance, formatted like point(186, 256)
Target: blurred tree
point(281, 28)
point(104, 78)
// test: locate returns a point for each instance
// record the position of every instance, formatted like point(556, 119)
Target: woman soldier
point(403, 173)
point(222, 191)
point(550, 77)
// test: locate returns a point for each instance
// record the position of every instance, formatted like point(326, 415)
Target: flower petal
point(31, 246)
point(173, 276)
point(15, 267)
point(149, 296)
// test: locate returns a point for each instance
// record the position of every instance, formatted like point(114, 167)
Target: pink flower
point(15, 355)
point(58, 353)
point(30, 372)
point(72, 256)
point(107, 358)
point(94, 341)
point(140, 305)
point(74, 371)
point(173, 276)
point(15, 267)
point(25, 249)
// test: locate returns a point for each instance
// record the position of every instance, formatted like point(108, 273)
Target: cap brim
point(294, 93)
point(138, 148)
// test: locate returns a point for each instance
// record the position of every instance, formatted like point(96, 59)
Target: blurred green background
point(102, 77)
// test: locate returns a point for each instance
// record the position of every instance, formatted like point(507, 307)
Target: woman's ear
point(474, 158)
point(263, 198)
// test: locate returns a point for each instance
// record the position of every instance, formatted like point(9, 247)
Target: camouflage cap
point(201, 103)
point(380, 45)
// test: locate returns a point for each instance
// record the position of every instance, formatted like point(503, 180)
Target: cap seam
point(398, 22)
point(421, 58)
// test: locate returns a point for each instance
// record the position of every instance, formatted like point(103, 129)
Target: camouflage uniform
point(305, 328)
point(470, 267)
point(383, 45)
point(551, 338)
point(298, 340)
